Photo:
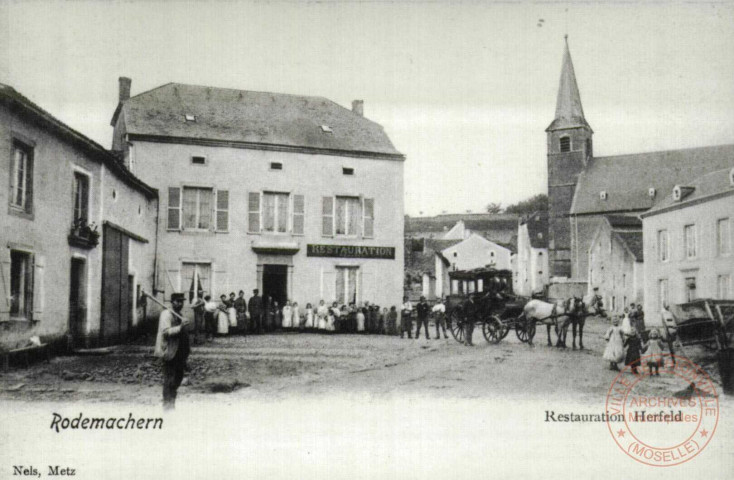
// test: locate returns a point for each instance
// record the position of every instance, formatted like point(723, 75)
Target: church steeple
point(569, 111)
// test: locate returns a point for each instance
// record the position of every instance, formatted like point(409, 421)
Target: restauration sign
point(349, 251)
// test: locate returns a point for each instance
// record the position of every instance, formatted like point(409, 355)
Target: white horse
point(570, 312)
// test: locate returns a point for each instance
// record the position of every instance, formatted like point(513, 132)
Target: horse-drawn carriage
point(496, 309)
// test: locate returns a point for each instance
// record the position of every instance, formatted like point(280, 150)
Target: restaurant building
point(294, 195)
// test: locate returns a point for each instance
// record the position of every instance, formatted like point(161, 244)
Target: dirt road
point(281, 365)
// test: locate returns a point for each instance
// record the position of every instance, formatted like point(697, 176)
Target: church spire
point(569, 112)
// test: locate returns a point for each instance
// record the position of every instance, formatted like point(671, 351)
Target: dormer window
point(190, 118)
point(565, 144)
point(326, 129)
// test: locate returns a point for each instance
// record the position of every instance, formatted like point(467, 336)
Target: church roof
point(622, 183)
point(569, 111)
point(203, 113)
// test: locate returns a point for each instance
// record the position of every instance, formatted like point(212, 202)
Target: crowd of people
point(628, 340)
point(235, 314)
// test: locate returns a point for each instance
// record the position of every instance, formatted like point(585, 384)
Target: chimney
point(358, 107)
point(125, 88)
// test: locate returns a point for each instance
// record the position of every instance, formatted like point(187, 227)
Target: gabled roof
point(10, 96)
point(626, 179)
point(537, 229)
point(711, 185)
point(255, 118)
point(633, 241)
point(569, 111)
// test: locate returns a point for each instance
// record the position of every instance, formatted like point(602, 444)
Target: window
point(690, 239)
point(368, 217)
point(21, 179)
point(663, 293)
point(275, 212)
point(663, 246)
point(723, 287)
point(723, 236)
point(190, 118)
point(197, 208)
point(21, 284)
point(347, 171)
point(346, 284)
point(276, 166)
point(565, 144)
point(198, 160)
point(690, 289)
point(347, 214)
point(81, 197)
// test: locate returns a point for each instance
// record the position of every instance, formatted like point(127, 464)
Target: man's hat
point(178, 296)
point(256, 291)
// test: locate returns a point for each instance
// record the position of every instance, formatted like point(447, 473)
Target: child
point(360, 320)
point(322, 312)
point(287, 322)
point(614, 352)
point(654, 350)
point(633, 344)
point(296, 315)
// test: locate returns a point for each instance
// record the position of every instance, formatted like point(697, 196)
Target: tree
point(537, 203)
point(494, 207)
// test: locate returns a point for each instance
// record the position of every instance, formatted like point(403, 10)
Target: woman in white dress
point(614, 352)
point(334, 315)
point(288, 315)
point(322, 312)
point(222, 317)
point(309, 316)
point(360, 319)
point(296, 316)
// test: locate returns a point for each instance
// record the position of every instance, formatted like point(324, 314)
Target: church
point(585, 190)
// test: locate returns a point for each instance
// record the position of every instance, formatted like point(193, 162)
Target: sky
point(464, 89)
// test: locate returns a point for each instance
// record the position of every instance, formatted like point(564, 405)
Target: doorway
point(77, 302)
point(275, 283)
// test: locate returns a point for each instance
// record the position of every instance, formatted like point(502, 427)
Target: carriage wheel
point(493, 329)
point(524, 329)
point(456, 326)
point(505, 328)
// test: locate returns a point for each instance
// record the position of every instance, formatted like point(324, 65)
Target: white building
point(530, 266)
point(294, 195)
point(688, 243)
point(473, 252)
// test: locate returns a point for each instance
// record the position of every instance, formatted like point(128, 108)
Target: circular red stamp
point(666, 419)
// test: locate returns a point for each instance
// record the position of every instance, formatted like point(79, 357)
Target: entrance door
point(275, 283)
point(77, 302)
point(115, 295)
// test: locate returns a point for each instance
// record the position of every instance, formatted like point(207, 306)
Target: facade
point(294, 195)
point(473, 252)
point(688, 243)
point(530, 268)
point(616, 262)
point(62, 281)
point(583, 189)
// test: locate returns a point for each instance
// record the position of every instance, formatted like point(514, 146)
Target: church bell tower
point(570, 148)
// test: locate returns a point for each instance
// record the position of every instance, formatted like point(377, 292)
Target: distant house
point(500, 228)
point(616, 261)
point(688, 242)
point(420, 266)
point(77, 233)
point(470, 253)
point(530, 265)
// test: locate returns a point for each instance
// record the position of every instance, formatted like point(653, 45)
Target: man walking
point(439, 316)
point(422, 310)
point(172, 346)
point(255, 306)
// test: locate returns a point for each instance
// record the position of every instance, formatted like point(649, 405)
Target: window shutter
point(368, 217)
point(5, 280)
point(253, 202)
point(29, 184)
point(298, 214)
point(39, 290)
point(174, 208)
point(13, 175)
point(222, 210)
point(327, 216)
point(29, 287)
